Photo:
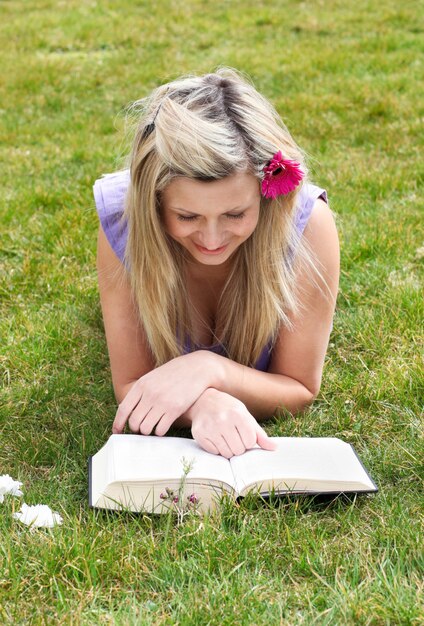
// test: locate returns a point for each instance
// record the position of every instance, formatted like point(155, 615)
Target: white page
point(139, 457)
point(317, 459)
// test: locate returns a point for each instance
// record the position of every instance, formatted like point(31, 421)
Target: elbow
point(313, 388)
point(310, 397)
point(294, 397)
point(304, 401)
point(306, 396)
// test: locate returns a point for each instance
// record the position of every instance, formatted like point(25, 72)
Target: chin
point(211, 260)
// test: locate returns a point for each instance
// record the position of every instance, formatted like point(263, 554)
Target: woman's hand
point(162, 395)
point(221, 424)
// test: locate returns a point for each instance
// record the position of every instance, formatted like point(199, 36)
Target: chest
point(204, 297)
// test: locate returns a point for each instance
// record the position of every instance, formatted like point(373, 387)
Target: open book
point(146, 473)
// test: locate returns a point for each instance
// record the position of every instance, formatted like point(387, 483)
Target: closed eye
point(191, 218)
point(187, 218)
point(235, 216)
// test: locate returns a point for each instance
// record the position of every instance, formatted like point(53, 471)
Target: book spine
point(90, 496)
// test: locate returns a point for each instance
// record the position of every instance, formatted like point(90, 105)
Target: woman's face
point(211, 219)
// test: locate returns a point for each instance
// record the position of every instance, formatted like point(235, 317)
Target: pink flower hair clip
point(281, 176)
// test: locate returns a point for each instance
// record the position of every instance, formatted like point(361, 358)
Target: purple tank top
point(109, 194)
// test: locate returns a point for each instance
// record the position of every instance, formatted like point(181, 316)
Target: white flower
point(419, 253)
point(404, 277)
point(39, 515)
point(8, 486)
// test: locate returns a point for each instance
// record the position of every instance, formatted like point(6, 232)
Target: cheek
point(249, 226)
point(173, 227)
point(179, 230)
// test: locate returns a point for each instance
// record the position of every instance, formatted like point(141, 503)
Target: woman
point(218, 267)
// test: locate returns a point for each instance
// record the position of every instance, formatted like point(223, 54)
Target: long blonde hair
point(208, 127)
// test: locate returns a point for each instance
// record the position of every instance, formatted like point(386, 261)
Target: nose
point(211, 235)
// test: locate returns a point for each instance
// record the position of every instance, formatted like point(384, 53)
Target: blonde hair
point(208, 127)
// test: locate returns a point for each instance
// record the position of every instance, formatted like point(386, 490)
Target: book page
point(301, 463)
point(153, 459)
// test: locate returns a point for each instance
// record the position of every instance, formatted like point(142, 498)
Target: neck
point(210, 273)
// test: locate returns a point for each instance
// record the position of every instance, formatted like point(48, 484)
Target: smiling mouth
point(208, 251)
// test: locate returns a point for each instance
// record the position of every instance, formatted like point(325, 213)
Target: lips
point(211, 252)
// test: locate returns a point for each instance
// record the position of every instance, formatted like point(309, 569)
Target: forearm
point(122, 390)
point(262, 393)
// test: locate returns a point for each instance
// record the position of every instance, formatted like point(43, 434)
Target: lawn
point(347, 79)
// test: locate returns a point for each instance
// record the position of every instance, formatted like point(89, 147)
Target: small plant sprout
point(176, 499)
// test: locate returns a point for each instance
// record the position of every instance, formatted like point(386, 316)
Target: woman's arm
point(294, 376)
point(129, 355)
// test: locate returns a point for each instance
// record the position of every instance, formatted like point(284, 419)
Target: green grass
point(346, 77)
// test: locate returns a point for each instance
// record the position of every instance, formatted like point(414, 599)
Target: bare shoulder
point(322, 218)
point(320, 221)
point(321, 234)
point(111, 271)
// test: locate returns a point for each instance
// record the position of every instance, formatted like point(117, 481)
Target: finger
point(224, 447)
point(235, 441)
point(247, 435)
point(144, 421)
point(164, 424)
point(138, 416)
point(208, 445)
point(148, 424)
point(264, 441)
point(125, 408)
